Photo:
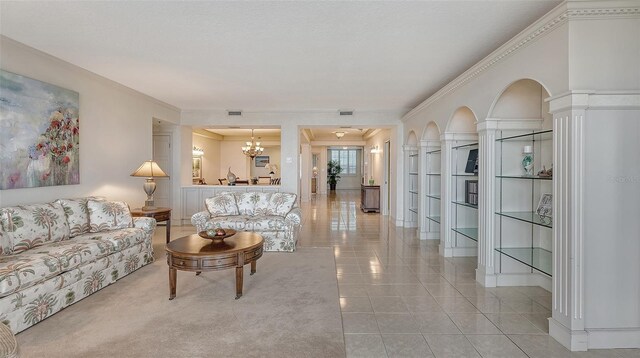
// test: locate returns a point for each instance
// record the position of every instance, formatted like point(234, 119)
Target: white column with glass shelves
point(448, 182)
point(523, 238)
point(485, 272)
point(411, 196)
point(464, 212)
point(430, 187)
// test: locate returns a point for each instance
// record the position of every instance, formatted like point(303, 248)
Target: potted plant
point(333, 173)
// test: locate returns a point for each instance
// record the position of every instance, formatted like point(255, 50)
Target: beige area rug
point(290, 308)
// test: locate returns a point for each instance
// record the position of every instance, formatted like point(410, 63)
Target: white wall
point(115, 128)
point(210, 159)
point(375, 161)
point(234, 158)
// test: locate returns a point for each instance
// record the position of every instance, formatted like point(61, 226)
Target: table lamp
point(150, 170)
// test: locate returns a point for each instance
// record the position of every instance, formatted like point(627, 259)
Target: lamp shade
point(149, 169)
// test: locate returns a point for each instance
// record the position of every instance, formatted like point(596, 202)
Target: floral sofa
point(53, 255)
point(272, 215)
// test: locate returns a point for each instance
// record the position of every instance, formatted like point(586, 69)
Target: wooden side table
point(160, 214)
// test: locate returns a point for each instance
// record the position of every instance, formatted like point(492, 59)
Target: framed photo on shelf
point(545, 206)
point(262, 161)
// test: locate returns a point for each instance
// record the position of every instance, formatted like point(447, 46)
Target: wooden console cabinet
point(370, 198)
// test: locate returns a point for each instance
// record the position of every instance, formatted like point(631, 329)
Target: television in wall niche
point(472, 162)
point(39, 133)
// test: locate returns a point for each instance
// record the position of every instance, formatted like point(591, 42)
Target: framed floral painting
point(39, 133)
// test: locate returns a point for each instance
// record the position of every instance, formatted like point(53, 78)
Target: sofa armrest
point(294, 217)
point(146, 224)
point(199, 220)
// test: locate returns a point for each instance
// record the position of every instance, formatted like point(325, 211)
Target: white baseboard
point(614, 338)
point(445, 251)
point(410, 224)
point(572, 340)
point(464, 251)
point(486, 279)
point(524, 279)
point(396, 222)
point(429, 236)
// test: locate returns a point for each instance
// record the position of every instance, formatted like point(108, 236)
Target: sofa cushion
point(222, 204)
point(118, 240)
point(268, 223)
point(281, 203)
point(77, 214)
point(238, 222)
point(108, 215)
point(6, 246)
point(18, 272)
point(253, 203)
point(30, 226)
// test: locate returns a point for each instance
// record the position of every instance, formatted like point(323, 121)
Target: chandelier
point(252, 148)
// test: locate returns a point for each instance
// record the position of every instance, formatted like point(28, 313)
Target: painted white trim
point(573, 340)
point(613, 100)
point(510, 124)
point(524, 279)
point(546, 24)
point(464, 251)
point(613, 338)
point(486, 279)
point(453, 136)
point(410, 148)
point(429, 235)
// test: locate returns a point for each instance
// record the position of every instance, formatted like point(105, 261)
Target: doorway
point(386, 193)
point(162, 156)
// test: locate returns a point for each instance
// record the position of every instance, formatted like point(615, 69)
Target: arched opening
point(463, 120)
point(411, 157)
point(523, 100)
point(430, 197)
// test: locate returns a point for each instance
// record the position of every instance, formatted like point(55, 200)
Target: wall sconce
point(375, 149)
point(197, 152)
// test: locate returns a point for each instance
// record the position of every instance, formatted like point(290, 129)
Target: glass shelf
point(470, 232)
point(530, 177)
point(433, 196)
point(413, 210)
point(534, 257)
point(538, 136)
point(413, 173)
point(465, 204)
point(434, 218)
point(434, 151)
point(413, 192)
point(465, 175)
point(528, 216)
point(465, 145)
point(438, 174)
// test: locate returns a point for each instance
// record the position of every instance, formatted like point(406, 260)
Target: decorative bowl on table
point(217, 234)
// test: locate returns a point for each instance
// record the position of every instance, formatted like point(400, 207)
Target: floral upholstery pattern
point(253, 203)
point(27, 307)
point(31, 226)
point(77, 214)
point(272, 215)
point(281, 203)
point(223, 204)
point(108, 215)
point(6, 246)
point(43, 278)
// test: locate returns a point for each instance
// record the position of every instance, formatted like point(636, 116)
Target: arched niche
point(463, 120)
point(412, 139)
point(522, 99)
point(431, 132)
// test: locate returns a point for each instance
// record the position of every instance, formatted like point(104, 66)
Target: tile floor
point(400, 298)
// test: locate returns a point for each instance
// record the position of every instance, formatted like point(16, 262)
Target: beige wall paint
point(115, 128)
point(210, 159)
point(274, 157)
point(375, 166)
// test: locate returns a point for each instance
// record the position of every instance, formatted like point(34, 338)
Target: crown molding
point(547, 23)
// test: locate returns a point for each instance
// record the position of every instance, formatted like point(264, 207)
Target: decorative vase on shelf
point(231, 177)
point(371, 181)
point(527, 160)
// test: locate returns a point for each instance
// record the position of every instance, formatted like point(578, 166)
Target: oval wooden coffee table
point(193, 253)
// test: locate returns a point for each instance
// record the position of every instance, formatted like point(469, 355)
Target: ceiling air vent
point(345, 112)
point(234, 113)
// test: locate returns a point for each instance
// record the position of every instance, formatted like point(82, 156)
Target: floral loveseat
point(272, 215)
point(53, 255)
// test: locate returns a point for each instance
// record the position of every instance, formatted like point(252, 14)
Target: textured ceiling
point(274, 55)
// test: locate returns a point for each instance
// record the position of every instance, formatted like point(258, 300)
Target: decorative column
point(485, 273)
point(446, 245)
point(423, 168)
point(567, 323)
point(408, 221)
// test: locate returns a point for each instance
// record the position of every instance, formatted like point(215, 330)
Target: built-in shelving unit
point(524, 238)
point(432, 194)
point(464, 212)
point(413, 191)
